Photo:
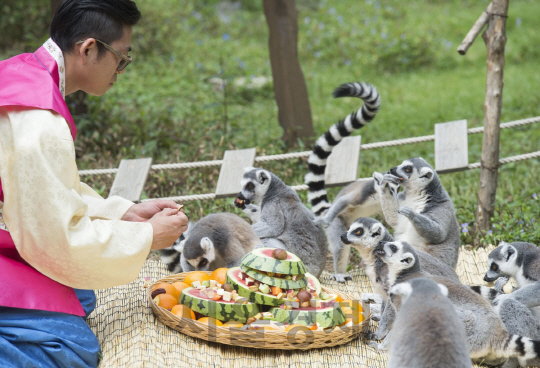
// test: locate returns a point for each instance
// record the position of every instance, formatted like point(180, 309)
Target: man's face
point(101, 74)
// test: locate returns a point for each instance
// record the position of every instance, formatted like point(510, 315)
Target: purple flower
point(464, 224)
point(520, 222)
point(226, 37)
point(465, 230)
point(490, 232)
point(534, 196)
point(147, 279)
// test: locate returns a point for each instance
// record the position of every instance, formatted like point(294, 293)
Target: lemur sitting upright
point(487, 337)
point(217, 240)
point(427, 330)
point(282, 221)
point(422, 214)
point(358, 199)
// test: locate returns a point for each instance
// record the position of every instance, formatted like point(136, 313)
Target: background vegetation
point(170, 106)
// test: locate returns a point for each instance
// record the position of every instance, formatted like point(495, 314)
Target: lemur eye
point(494, 267)
point(203, 262)
point(250, 186)
point(393, 248)
point(359, 232)
point(408, 169)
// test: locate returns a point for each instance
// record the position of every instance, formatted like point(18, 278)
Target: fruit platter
point(270, 301)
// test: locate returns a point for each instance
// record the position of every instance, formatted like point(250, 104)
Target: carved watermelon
point(222, 310)
point(261, 259)
point(326, 317)
point(257, 297)
point(275, 281)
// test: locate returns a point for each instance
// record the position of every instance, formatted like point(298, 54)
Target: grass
point(167, 107)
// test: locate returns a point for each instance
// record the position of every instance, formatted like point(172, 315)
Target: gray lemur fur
point(422, 214)
point(217, 240)
point(487, 337)
point(358, 199)
point(427, 330)
point(364, 235)
point(171, 256)
point(282, 221)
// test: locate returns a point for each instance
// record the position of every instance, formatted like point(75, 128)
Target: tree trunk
point(290, 89)
point(495, 40)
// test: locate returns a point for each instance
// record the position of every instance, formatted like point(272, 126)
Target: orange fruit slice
point(339, 299)
point(220, 275)
point(180, 285)
point(233, 324)
point(353, 304)
point(166, 301)
point(183, 311)
point(353, 315)
point(297, 327)
point(196, 276)
point(169, 289)
point(211, 321)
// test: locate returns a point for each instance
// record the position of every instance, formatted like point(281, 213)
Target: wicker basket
point(259, 339)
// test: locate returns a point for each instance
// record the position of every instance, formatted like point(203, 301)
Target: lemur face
point(255, 183)
point(202, 256)
point(414, 172)
point(502, 262)
point(395, 255)
point(364, 233)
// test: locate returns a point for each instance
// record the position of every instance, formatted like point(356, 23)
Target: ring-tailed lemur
point(487, 337)
point(364, 235)
point(172, 256)
point(217, 240)
point(422, 214)
point(283, 221)
point(358, 199)
point(427, 330)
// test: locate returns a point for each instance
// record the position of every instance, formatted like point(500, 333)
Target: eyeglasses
point(126, 60)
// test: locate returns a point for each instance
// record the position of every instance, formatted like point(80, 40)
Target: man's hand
point(143, 212)
point(168, 225)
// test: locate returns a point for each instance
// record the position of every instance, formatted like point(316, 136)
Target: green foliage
point(24, 24)
point(515, 219)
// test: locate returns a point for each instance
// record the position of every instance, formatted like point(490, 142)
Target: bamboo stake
point(495, 40)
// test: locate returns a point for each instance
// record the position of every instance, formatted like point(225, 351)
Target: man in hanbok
point(59, 239)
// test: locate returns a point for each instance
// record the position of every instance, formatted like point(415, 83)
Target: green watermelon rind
point(221, 311)
point(326, 317)
point(274, 281)
point(258, 261)
point(253, 297)
point(318, 287)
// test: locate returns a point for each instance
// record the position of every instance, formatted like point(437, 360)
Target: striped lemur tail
point(520, 347)
point(343, 128)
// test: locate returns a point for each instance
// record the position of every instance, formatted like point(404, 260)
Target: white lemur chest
point(369, 268)
point(405, 230)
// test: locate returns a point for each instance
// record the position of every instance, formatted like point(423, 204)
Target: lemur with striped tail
point(358, 199)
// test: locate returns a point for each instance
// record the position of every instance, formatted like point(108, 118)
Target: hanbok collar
point(57, 54)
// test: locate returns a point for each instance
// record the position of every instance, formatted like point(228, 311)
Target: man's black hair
point(77, 20)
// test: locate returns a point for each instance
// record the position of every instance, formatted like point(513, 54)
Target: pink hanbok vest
point(32, 80)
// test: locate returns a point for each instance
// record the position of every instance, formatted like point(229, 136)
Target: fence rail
point(450, 155)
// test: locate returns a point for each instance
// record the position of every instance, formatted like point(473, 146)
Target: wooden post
point(495, 40)
point(294, 113)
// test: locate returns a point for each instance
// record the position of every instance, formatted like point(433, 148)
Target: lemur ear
point(180, 246)
point(378, 177)
point(426, 173)
point(377, 230)
point(207, 244)
point(444, 289)
point(408, 259)
point(509, 251)
point(248, 168)
point(263, 177)
point(403, 289)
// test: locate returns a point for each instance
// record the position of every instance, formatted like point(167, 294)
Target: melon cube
point(220, 291)
point(196, 284)
point(296, 304)
point(213, 283)
point(264, 288)
point(209, 293)
point(206, 283)
point(226, 296)
point(250, 281)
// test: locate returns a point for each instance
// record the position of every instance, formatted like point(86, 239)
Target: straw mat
point(131, 336)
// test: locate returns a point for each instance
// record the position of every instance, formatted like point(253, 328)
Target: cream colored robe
point(59, 225)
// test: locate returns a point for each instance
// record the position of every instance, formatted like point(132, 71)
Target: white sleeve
point(112, 208)
point(44, 210)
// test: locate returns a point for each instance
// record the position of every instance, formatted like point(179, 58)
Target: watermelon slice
point(222, 310)
point(275, 281)
point(325, 317)
point(233, 278)
point(261, 259)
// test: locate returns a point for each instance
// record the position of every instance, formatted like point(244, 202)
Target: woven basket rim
point(205, 332)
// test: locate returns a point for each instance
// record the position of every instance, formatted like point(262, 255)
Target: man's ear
point(87, 49)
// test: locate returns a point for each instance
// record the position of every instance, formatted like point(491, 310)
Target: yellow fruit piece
point(183, 311)
point(339, 299)
point(166, 301)
point(220, 275)
point(233, 324)
point(196, 276)
point(352, 315)
point(211, 321)
point(169, 289)
point(297, 327)
point(353, 304)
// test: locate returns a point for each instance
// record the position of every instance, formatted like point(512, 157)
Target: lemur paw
point(499, 284)
point(378, 177)
point(253, 212)
point(390, 179)
point(371, 298)
point(406, 211)
point(379, 346)
point(341, 277)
